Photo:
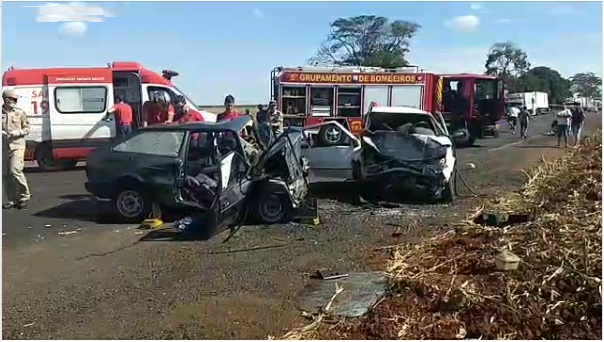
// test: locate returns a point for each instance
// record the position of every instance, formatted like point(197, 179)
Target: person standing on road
point(563, 125)
point(513, 118)
point(523, 119)
point(261, 114)
point(15, 127)
point(275, 117)
point(229, 109)
point(123, 117)
point(186, 114)
point(576, 125)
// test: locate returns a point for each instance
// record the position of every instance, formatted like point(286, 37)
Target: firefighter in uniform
point(275, 118)
point(15, 127)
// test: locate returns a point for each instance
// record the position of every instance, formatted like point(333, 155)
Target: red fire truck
point(472, 104)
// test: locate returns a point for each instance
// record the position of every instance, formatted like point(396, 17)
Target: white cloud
point(257, 12)
point(73, 29)
point(476, 6)
point(75, 15)
point(463, 22)
point(503, 20)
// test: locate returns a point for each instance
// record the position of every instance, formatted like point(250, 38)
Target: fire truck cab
point(311, 95)
point(471, 105)
point(66, 106)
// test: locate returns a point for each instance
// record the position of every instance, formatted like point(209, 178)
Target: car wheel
point(131, 205)
point(331, 135)
point(273, 208)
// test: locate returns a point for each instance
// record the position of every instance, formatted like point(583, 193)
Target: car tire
point(131, 204)
point(272, 208)
point(46, 162)
point(331, 135)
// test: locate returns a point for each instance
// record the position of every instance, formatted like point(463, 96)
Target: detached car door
point(330, 163)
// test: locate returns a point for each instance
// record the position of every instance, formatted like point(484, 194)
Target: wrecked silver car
point(211, 170)
point(402, 150)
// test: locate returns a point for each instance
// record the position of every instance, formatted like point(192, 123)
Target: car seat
point(201, 189)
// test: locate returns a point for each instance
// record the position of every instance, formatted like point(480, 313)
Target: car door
point(330, 163)
point(153, 158)
point(232, 184)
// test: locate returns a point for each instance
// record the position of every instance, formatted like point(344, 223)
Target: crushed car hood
point(415, 151)
point(408, 147)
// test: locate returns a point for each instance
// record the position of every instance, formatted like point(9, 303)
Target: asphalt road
point(61, 205)
point(103, 282)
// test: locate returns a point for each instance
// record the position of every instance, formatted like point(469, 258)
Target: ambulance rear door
point(78, 103)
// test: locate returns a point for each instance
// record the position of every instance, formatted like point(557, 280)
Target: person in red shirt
point(229, 109)
point(185, 113)
point(123, 117)
point(157, 111)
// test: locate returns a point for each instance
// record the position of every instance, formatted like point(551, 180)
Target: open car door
point(215, 192)
point(330, 163)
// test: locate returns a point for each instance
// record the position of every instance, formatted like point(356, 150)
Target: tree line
point(370, 40)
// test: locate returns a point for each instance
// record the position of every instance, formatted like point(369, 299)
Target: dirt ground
point(108, 285)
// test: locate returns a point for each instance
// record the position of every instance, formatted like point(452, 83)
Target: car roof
point(237, 124)
point(399, 110)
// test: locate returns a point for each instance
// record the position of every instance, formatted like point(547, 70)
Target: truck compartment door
point(408, 96)
point(377, 94)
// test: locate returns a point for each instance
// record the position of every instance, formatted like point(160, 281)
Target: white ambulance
point(66, 106)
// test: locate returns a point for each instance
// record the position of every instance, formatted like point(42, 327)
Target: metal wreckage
point(227, 173)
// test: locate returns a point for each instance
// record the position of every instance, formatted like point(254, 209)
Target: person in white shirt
point(563, 125)
point(513, 113)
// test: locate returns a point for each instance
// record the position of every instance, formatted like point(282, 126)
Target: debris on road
point(449, 287)
point(70, 232)
point(362, 291)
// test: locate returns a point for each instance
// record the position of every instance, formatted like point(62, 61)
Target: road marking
point(505, 146)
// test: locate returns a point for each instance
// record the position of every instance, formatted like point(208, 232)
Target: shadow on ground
point(80, 207)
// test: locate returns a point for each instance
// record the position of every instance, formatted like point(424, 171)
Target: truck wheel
point(331, 135)
point(46, 161)
point(131, 204)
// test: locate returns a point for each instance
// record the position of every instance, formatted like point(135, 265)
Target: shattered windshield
point(156, 143)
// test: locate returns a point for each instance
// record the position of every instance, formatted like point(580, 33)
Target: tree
point(507, 61)
point(587, 84)
point(546, 80)
point(366, 40)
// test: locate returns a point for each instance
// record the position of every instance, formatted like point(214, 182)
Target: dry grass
point(448, 287)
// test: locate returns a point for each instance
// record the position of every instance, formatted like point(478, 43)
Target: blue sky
point(231, 47)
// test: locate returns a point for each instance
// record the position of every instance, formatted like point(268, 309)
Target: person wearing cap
point(15, 127)
point(123, 117)
point(275, 117)
point(229, 109)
